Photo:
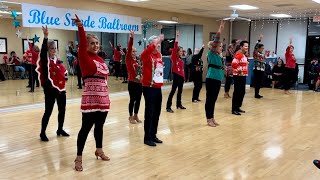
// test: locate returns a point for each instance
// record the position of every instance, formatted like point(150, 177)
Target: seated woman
point(278, 73)
point(14, 59)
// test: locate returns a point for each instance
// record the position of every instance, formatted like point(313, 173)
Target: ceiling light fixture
point(10, 2)
point(167, 22)
point(317, 1)
point(281, 15)
point(8, 12)
point(243, 7)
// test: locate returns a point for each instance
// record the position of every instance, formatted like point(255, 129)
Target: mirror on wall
point(15, 89)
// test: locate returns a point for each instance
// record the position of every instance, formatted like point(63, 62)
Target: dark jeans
point(117, 68)
point(213, 89)
point(188, 73)
point(33, 76)
point(177, 83)
point(239, 92)
point(227, 84)
point(88, 120)
point(124, 72)
point(51, 95)
point(290, 76)
point(135, 92)
point(258, 77)
point(153, 101)
point(197, 81)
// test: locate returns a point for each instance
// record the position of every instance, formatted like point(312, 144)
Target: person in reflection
point(124, 70)
point(14, 59)
point(134, 77)
point(74, 52)
point(152, 81)
point(214, 76)
point(32, 56)
point(278, 73)
point(197, 70)
point(116, 59)
point(240, 72)
point(95, 102)
point(290, 74)
point(178, 75)
point(229, 71)
point(259, 67)
point(53, 76)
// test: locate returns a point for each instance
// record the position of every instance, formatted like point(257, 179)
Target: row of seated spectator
point(15, 64)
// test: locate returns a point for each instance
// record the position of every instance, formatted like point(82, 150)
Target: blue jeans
point(20, 69)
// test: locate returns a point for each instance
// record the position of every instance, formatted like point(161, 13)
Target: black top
point(197, 61)
point(44, 62)
point(277, 69)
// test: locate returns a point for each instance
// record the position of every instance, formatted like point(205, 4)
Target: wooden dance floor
point(277, 138)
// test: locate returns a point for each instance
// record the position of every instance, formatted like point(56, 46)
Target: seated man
point(14, 59)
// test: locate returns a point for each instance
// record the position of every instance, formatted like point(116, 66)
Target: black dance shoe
point(181, 107)
point(62, 133)
point(43, 137)
point(236, 113)
point(156, 140)
point(150, 143)
point(170, 110)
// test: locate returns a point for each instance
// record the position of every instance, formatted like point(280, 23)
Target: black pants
point(117, 68)
point(51, 95)
point(197, 81)
point(213, 89)
point(124, 72)
point(2, 76)
point(239, 92)
point(227, 84)
point(153, 101)
point(88, 120)
point(135, 92)
point(177, 83)
point(33, 76)
point(290, 76)
point(79, 76)
point(188, 73)
point(258, 77)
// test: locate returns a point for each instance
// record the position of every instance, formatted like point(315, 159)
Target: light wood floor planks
point(277, 138)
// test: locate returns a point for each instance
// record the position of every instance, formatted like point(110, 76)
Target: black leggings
point(124, 72)
point(117, 68)
point(213, 89)
point(135, 92)
point(79, 76)
point(228, 83)
point(88, 120)
point(177, 83)
point(290, 77)
point(51, 95)
point(239, 92)
point(258, 77)
point(33, 76)
point(197, 81)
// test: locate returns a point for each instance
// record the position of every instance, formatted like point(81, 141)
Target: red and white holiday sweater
point(152, 68)
point(240, 64)
point(132, 64)
point(290, 59)
point(95, 96)
point(177, 62)
point(32, 54)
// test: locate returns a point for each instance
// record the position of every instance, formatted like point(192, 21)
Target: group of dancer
point(145, 76)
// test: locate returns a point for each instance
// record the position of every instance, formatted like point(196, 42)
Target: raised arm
point(217, 38)
point(44, 47)
point(175, 48)
point(130, 44)
point(258, 42)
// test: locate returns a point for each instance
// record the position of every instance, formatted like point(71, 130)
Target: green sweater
point(213, 73)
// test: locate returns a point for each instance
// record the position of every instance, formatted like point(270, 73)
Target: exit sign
point(316, 18)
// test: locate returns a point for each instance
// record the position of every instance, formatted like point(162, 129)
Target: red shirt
point(152, 68)
point(15, 60)
point(240, 64)
point(132, 63)
point(177, 62)
point(95, 96)
point(116, 55)
point(290, 59)
point(34, 55)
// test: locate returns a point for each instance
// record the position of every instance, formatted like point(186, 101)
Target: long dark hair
point(189, 51)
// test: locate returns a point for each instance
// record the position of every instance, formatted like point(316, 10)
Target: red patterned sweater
point(240, 64)
point(177, 62)
point(290, 59)
point(132, 64)
point(95, 96)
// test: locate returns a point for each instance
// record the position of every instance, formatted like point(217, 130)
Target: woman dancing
point(290, 68)
point(197, 71)
point(259, 67)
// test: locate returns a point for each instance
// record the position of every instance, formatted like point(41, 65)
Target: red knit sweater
point(152, 69)
point(240, 64)
point(132, 63)
point(177, 62)
point(290, 59)
point(34, 54)
point(95, 96)
point(116, 55)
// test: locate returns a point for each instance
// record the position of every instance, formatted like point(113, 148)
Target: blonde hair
point(92, 36)
point(210, 43)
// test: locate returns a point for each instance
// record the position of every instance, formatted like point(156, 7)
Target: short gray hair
point(51, 43)
point(152, 38)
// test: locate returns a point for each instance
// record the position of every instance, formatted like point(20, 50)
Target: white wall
point(186, 39)
point(296, 30)
point(240, 30)
point(198, 37)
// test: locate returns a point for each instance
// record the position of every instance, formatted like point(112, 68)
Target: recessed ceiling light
point(10, 2)
point(317, 1)
point(136, 0)
point(281, 15)
point(167, 22)
point(243, 7)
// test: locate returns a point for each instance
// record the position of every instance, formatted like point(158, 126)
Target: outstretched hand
point(77, 21)
point(290, 40)
point(222, 23)
point(45, 31)
point(131, 34)
point(261, 36)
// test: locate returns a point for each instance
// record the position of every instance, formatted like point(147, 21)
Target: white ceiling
point(220, 8)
